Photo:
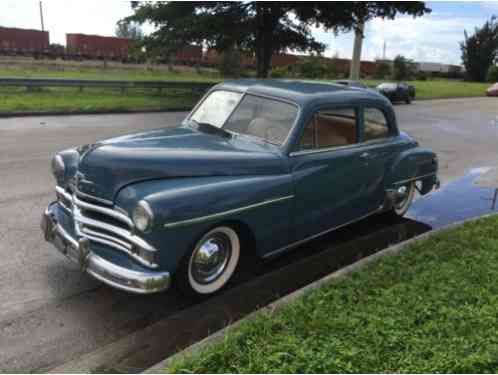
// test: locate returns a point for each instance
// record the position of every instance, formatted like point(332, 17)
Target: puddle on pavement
point(261, 284)
point(458, 200)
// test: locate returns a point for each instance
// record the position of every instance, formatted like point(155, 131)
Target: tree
point(383, 69)
point(129, 30)
point(480, 51)
point(132, 31)
point(492, 75)
point(403, 68)
point(259, 27)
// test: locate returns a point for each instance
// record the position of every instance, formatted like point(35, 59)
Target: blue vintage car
point(258, 167)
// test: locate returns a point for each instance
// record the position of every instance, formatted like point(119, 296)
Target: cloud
point(432, 38)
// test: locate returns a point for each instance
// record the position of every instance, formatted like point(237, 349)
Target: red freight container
point(22, 41)
point(97, 47)
point(189, 55)
point(284, 59)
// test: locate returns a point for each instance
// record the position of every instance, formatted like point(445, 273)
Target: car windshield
point(267, 119)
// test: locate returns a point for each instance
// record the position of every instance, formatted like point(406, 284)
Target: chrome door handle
point(366, 156)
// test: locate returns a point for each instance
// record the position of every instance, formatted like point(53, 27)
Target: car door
point(379, 148)
point(330, 172)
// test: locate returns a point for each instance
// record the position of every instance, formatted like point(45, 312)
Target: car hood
point(108, 166)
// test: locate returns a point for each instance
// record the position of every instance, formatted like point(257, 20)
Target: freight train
point(36, 43)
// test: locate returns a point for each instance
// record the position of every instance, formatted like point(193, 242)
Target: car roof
point(302, 92)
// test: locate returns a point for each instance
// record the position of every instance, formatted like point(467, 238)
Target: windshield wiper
point(208, 128)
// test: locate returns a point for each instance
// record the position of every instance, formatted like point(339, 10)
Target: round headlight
point(58, 167)
point(143, 216)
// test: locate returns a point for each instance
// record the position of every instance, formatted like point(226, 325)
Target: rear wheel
point(402, 204)
point(211, 263)
point(408, 99)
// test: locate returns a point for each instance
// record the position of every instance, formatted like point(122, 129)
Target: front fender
point(185, 208)
point(415, 164)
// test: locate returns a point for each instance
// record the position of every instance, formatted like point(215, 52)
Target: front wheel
point(211, 263)
point(401, 205)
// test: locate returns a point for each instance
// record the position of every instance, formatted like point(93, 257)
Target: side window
point(376, 125)
point(330, 128)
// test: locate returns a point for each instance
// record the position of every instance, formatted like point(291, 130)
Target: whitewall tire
point(212, 262)
point(402, 205)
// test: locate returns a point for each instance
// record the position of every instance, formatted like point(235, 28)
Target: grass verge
point(110, 74)
point(72, 100)
point(431, 309)
point(434, 89)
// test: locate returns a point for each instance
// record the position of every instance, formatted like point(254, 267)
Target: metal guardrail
point(30, 83)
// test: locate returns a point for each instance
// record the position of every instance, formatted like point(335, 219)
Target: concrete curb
point(278, 304)
point(91, 112)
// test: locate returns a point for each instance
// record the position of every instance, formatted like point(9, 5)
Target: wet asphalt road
point(51, 313)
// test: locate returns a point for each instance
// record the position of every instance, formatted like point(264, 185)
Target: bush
point(403, 68)
point(281, 72)
point(383, 70)
point(421, 76)
point(312, 67)
point(492, 75)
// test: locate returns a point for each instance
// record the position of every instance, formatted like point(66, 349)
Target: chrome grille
point(107, 226)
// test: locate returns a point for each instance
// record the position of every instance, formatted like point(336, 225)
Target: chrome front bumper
point(78, 251)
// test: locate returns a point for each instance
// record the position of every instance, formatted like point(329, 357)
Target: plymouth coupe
point(258, 167)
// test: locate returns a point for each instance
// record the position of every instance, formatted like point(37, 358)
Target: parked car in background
point(493, 90)
point(397, 92)
point(258, 167)
point(351, 83)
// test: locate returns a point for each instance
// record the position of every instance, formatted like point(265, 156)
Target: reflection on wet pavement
point(459, 200)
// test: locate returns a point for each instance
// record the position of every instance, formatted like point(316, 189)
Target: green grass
point(67, 100)
point(433, 89)
point(434, 308)
point(109, 74)
point(72, 100)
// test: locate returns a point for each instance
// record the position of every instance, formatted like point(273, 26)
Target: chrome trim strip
point(123, 249)
point(103, 201)
point(91, 232)
point(297, 243)
point(64, 193)
point(225, 213)
point(59, 229)
point(414, 178)
point(127, 235)
point(105, 211)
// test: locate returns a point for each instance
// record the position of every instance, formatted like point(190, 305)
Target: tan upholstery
point(335, 131)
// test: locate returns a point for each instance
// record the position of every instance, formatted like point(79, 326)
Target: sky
point(431, 38)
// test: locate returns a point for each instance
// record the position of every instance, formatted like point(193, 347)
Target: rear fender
point(416, 164)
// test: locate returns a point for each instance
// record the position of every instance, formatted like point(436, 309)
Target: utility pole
point(355, 62)
point(384, 52)
point(41, 16)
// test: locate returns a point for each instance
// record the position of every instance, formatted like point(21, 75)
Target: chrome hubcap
point(403, 196)
point(211, 258)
